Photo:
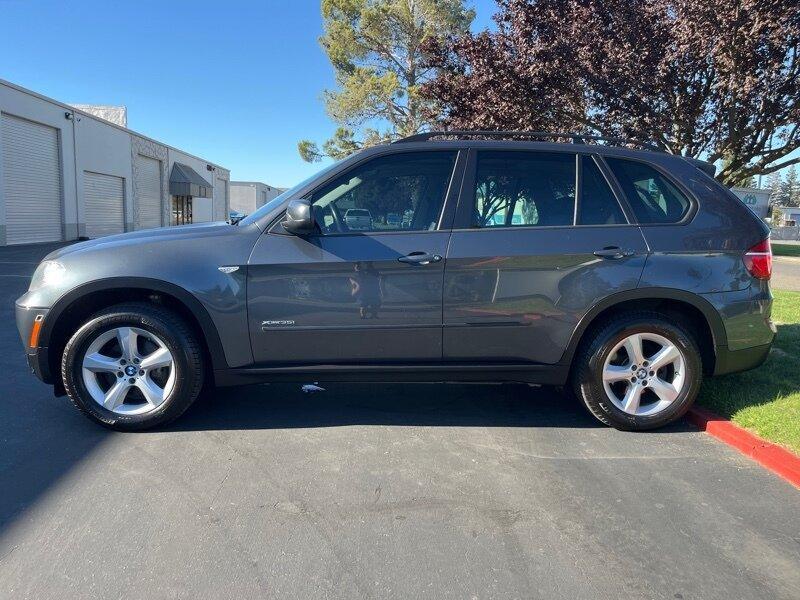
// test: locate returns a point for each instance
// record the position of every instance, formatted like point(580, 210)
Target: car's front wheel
point(132, 367)
point(638, 371)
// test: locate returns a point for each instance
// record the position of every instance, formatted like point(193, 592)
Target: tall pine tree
point(790, 188)
point(375, 47)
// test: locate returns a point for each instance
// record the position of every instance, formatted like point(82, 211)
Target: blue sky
point(238, 83)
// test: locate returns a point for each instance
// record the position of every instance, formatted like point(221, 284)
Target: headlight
point(48, 273)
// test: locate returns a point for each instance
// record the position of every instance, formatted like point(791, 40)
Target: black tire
point(587, 379)
point(176, 335)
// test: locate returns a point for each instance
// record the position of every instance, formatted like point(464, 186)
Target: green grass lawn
point(785, 249)
point(767, 399)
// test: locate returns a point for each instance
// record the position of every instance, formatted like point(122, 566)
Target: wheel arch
point(704, 320)
point(87, 299)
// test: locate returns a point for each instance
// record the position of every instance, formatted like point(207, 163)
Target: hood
point(142, 237)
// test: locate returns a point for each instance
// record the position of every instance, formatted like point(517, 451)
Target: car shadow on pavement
point(285, 406)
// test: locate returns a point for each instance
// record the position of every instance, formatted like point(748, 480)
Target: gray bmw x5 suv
point(622, 275)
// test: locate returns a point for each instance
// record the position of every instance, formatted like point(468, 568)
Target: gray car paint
point(188, 257)
point(701, 256)
point(518, 294)
point(346, 298)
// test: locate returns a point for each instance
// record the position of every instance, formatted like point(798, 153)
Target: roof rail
point(575, 138)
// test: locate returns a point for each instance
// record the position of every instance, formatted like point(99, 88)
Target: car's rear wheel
point(638, 371)
point(133, 367)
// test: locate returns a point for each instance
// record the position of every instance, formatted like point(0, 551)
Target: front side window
point(514, 189)
point(654, 198)
point(403, 191)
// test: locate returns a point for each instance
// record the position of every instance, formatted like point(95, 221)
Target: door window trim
point(446, 214)
point(463, 217)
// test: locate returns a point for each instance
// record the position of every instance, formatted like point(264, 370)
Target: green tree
point(775, 187)
point(777, 216)
point(375, 47)
point(790, 188)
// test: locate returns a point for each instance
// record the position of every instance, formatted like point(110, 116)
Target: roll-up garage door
point(104, 204)
point(221, 200)
point(32, 187)
point(148, 193)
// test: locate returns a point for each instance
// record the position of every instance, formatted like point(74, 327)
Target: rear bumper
point(734, 361)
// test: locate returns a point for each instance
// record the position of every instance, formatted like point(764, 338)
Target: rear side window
point(598, 206)
point(524, 189)
point(653, 198)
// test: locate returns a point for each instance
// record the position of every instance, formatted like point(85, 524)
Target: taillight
point(758, 260)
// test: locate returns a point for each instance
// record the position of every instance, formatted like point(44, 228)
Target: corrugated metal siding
point(220, 208)
point(104, 204)
point(32, 182)
point(148, 186)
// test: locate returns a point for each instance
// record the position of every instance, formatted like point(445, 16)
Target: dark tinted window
point(390, 193)
point(515, 189)
point(598, 205)
point(653, 198)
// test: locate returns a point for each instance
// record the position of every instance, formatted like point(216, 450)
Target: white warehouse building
point(66, 174)
point(247, 196)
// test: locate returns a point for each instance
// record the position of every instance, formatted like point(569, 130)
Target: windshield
point(278, 200)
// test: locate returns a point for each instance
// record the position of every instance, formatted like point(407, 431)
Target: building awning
point(185, 181)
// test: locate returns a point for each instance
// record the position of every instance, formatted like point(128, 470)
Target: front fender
point(211, 334)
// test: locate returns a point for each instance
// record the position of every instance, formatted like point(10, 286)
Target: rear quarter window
point(653, 198)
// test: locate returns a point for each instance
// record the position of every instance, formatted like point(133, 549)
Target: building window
point(181, 210)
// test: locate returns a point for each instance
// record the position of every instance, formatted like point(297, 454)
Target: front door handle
point(420, 258)
point(613, 252)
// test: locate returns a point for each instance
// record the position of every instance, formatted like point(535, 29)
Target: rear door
point(366, 290)
point(539, 238)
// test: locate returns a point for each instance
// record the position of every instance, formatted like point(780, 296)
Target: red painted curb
point(778, 460)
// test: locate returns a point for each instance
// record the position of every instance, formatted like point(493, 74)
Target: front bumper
point(37, 356)
point(39, 364)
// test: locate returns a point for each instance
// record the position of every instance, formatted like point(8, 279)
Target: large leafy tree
point(718, 79)
point(375, 47)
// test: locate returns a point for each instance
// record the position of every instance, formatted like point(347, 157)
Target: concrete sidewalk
point(786, 273)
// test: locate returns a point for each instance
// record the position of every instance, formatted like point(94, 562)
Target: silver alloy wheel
point(128, 371)
point(644, 373)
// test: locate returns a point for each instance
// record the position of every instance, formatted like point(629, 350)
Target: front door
point(366, 287)
point(539, 238)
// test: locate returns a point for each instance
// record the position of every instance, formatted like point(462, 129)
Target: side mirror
point(299, 217)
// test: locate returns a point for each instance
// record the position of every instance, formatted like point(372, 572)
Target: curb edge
point(774, 458)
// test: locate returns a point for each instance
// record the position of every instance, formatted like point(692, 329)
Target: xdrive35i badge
point(281, 323)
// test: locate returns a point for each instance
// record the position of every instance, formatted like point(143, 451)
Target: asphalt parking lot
point(375, 491)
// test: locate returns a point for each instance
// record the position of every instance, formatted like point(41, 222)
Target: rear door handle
point(420, 258)
point(613, 252)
